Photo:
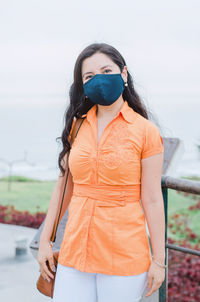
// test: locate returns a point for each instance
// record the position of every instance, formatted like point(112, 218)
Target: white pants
point(72, 285)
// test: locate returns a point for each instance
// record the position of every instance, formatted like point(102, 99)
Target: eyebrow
point(101, 68)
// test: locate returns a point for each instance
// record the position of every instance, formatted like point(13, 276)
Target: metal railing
point(178, 184)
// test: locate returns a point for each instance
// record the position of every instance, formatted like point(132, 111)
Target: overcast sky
point(40, 41)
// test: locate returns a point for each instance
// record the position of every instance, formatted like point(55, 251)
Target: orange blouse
point(105, 230)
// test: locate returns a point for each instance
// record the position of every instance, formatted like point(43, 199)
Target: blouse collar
point(126, 111)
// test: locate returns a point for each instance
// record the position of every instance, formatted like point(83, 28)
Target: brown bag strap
point(75, 130)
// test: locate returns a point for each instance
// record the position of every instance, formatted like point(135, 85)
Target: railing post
point(163, 288)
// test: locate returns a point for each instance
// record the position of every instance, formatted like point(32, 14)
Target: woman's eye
point(106, 70)
point(87, 77)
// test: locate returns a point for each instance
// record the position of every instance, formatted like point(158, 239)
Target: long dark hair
point(79, 105)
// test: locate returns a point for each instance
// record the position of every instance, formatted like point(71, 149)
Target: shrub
point(9, 215)
point(183, 274)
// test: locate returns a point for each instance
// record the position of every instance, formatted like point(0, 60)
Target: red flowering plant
point(184, 268)
point(9, 215)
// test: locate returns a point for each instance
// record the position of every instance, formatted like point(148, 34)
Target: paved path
point(18, 274)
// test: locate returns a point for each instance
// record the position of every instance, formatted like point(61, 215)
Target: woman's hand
point(45, 253)
point(156, 275)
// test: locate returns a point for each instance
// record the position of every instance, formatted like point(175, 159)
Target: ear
point(125, 73)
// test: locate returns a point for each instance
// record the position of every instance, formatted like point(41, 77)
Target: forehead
point(95, 62)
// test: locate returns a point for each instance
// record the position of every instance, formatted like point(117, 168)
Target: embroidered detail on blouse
point(117, 148)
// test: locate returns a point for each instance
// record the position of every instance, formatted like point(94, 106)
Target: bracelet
point(51, 243)
point(164, 266)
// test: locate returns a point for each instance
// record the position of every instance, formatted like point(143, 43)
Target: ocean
point(29, 127)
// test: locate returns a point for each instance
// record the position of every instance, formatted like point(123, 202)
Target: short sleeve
point(153, 142)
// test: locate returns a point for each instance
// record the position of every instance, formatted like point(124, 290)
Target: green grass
point(178, 204)
point(32, 195)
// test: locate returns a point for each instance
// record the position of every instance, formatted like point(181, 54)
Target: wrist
point(160, 264)
point(44, 241)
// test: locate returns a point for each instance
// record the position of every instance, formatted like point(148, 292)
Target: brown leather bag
point(45, 287)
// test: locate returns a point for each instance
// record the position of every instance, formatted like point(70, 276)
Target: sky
point(41, 40)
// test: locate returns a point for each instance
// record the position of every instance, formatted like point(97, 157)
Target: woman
point(115, 162)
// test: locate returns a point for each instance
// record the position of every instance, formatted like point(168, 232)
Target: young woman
point(115, 179)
